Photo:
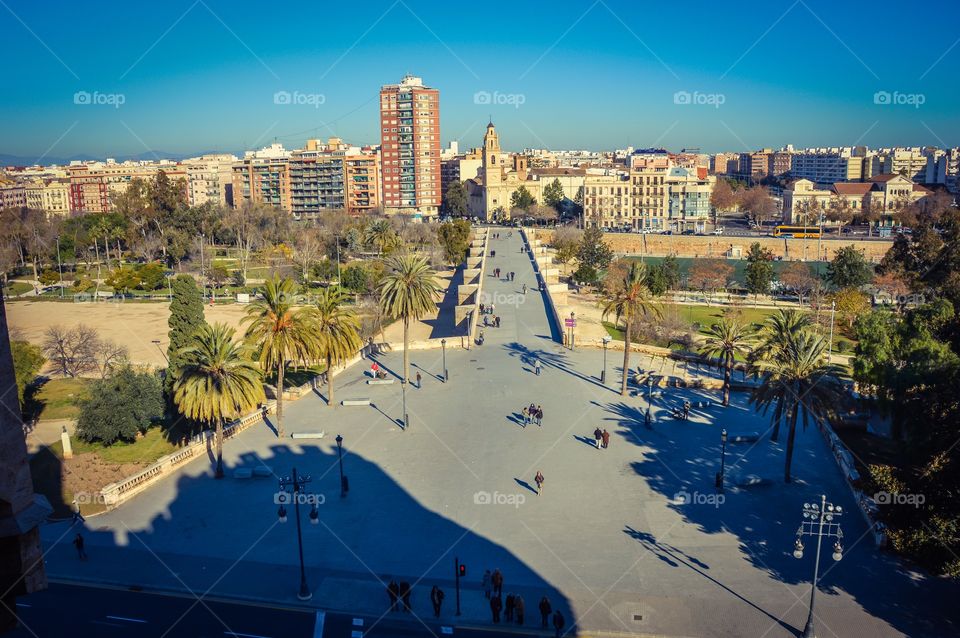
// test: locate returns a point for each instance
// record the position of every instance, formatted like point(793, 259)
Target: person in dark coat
point(78, 543)
point(497, 579)
point(405, 595)
point(393, 591)
point(436, 597)
point(558, 622)
point(495, 606)
point(598, 436)
point(518, 608)
point(606, 439)
point(545, 610)
point(508, 608)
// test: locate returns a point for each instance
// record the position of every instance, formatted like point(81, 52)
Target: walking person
point(405, 595)
point(545, 610)
point(518, 608)
point(536, 366)
point(524, 288)
point(606, 439)
point(495, 606)
point(486, 584)
point(436, 597)
point(598, 436)
point(508, 608)
point(497, 579)
point(538, 479)
point(539, 416)
point(78, 543)
point(419, 381)
point(558, 622)
point(393, 591)
point(496, 321)
point(526, 415)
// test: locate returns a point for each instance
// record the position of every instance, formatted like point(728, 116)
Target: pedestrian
point(508, 608)
point(686, 410)
point(485, 583)
point(545, 610)
point(497, 579)
point(481, 309)
point(524, 288)
point(558, 622)
point(538, 479)
point(492, 309)
point(539, 416)
point(532, 411)
point(436, 597)
point(518, 608)
point(606, 439)
point(419, 381)
point(374, 369)
point(497, 321)
point(536, 366)
point(526, 415)
point(598, 436)
point(78, 543)
point(393, 591)
point(405, 595)
point(512, 275)
point(495, 606)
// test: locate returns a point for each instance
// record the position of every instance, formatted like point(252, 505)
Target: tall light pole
point(816, 518)
point(833, 312)
point(573, 320)
point(343, 479)
point(646, 418)
point(403, 392)
point(59, 267)
point(443, 346)
point(603, 375)
point(723, 458)
point(298, 483)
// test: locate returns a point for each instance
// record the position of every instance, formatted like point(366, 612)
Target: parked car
point(718, 230)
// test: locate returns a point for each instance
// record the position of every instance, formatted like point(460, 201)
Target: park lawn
point(150, 447)
point(18, 288)
point(59, 398)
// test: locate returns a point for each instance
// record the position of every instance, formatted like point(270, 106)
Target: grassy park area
point(58, 398)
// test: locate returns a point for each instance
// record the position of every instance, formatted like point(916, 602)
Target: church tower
point(492, 157)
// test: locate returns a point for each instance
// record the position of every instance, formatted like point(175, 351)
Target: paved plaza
point(630, 539)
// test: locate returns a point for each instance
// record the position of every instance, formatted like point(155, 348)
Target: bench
point(308, 435)
point(751, 437)
point(380, 381)
point(243, 473)
point(355, 402)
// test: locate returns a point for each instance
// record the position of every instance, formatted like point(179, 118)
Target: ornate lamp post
point(343, 479)
point(443, 346)
point(646, 418)
point(298, 483)
point(603, 375)
point(819, 522)
point(723, 459)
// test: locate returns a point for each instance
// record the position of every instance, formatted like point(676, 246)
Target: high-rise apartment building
point(333, 176)
point(93, 185)
point(827, 165)
point(210, 179)
point(410, 147)
point(52, 196)
point(263, 176)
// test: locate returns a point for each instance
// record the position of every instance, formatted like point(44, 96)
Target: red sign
point(570, 323)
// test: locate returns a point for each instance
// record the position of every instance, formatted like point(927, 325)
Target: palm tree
point(627, 301)
point(337, 330)
point(381, 234)
point(798, 383)
point(279, 332)
point(407, 292)
point(775, 338)
point(220, 382)
point(725, 340)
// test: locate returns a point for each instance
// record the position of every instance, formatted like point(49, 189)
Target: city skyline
point(593, 76)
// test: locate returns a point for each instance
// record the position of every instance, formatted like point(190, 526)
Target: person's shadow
point(525, 484)
point(592, 442)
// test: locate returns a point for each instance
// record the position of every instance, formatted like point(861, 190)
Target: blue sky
point(197, 75)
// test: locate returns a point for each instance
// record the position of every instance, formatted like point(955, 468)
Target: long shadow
point(523, 483)
point(190, 534)
point(586, 440)
point(429, 374)
point(395, 421)
point(547, 359)
point(443, 325)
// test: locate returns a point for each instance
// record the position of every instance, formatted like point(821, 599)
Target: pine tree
point(186, 318)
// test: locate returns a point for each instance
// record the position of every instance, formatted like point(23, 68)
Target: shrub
point(120, 407)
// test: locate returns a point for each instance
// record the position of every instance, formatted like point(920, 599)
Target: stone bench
point(243, 473)
point(750, 437)
point(380, 381)
point(308, 435)
point(355, 402)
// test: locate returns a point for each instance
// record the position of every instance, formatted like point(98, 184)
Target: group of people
point(514, 607)
point(488, 322)
point(532, 414)
point(602, 437)
point(399, 595)
point(509, 276)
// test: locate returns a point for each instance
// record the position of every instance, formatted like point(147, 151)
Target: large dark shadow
point(443, 325)
point(548, 359)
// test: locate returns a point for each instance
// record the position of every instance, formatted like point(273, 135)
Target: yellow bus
point(799, 232)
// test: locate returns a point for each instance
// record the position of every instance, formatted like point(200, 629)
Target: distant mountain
point(22, 160)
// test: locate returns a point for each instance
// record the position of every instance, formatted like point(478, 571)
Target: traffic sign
point(570, 323)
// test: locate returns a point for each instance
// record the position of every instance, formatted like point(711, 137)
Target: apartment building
point(779, 163)
point(51, 196)
point(263, 176)
point(755, 165)
point(607, 199)
point(827, 165)
point(13, 196)
point(333, 176)
point(410, 147)
point(459, 168)
point(909, 162)
point(725, 164)
point(93, 185)
point(210, 179)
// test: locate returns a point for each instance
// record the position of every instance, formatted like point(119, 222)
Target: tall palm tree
point(381, 234)
point(407, 291)
point(775, 338)
point(798, 384)
point(725, 340)
point(279, 332)
point(627, 301)
point(220, 382)
point(337, 330)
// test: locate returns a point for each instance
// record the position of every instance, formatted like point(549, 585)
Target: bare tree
point(799, 278)
point(73, 352)
point(111, 356)
point(308, 246)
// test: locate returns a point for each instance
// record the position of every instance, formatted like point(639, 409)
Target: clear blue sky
point(201, 75)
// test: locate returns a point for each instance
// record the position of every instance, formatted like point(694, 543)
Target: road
point(66, 610)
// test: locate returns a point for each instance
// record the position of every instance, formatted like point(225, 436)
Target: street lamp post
point(816, 518)
point(403, 391)
point(443, 346)
point(298, 483)
point(156, 342)
point(343, 479)
point(573, 319)
point(646, 418)
point(59, 267)
point(723, 459)
point(603, 375)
